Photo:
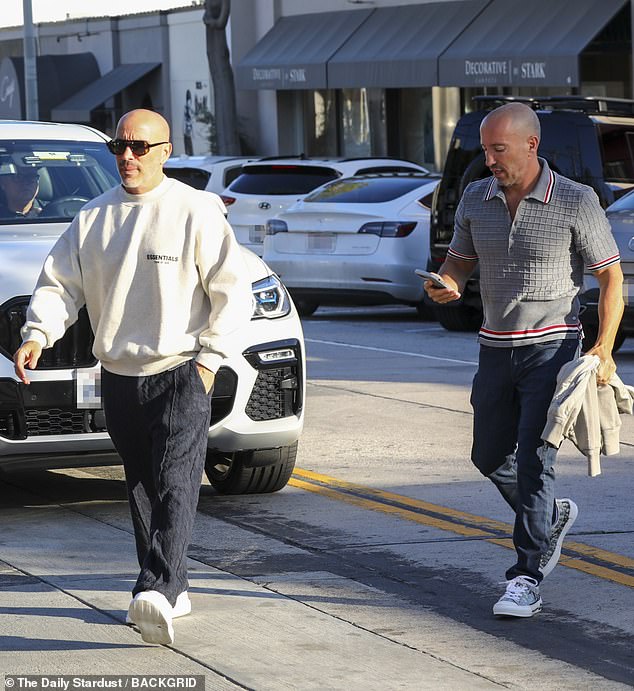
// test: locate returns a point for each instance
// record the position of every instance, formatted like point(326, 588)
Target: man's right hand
point(442, 295)
point(27, 355)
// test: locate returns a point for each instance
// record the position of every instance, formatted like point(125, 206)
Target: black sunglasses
point(139, 147)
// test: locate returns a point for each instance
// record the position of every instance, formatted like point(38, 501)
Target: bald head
point(142, 120)
point(518, 116)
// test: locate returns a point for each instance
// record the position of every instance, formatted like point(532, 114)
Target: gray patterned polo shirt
point(531, 269)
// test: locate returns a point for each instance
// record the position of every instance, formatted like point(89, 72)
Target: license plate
point(256, 234)
point(88, 388)
point(321, 242)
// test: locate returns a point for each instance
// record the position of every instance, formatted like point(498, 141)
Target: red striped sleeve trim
point(465, 257)
point(605, 262)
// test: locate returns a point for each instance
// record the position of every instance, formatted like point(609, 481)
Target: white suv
point(270, 185)
point(258, 399)
point(211, 173)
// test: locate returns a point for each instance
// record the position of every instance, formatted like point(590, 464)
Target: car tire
point(228, 473)
point(305, 308)
point(459, 318)
point(590, 333)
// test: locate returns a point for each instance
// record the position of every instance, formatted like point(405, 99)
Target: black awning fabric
point(521, 43)
point(295, 52)
point(78, 107)
point(399, 47)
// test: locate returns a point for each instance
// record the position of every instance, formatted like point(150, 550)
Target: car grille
point(274, 394)
point(47, 407)
point(74, 349)
point(57, 421)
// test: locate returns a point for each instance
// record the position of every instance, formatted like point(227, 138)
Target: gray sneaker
point(521, 598)
point(567, 512)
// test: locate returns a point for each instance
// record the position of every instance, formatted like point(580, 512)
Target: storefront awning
point(78, 107)
point(295, 52)
point(520, 43)
point(399, 46)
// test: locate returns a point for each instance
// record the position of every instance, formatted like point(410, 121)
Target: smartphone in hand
point(434, 278)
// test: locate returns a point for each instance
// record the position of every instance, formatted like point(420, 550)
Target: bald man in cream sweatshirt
point(166, 290)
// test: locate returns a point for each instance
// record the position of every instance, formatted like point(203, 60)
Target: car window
point(45, 181)
point(625, 203)
point(282, 179)
point(617, 149)
point(365, 191)
point(231, 174)
point(194, 177)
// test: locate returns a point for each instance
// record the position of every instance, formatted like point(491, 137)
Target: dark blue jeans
point(159, 426)
point(512, 390)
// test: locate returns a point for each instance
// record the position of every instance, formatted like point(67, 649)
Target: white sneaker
point(182, 608)
point(152, 613)
point(567, 512)
point(521, 598)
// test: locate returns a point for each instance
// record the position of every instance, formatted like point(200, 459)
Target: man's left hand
point(607, 367)
point(207, 376)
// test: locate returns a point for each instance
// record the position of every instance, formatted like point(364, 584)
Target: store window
point(363, 122)
point(414, 128)
point(320, 109)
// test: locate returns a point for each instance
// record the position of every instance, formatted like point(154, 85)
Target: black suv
point(587, 139)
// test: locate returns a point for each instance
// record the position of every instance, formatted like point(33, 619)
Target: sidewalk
point(65, 594)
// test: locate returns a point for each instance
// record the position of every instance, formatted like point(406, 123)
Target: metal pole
point(30, 64)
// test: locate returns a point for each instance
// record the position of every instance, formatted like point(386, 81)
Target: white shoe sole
point(182, 608)
point(154, 625)
point(508, 609)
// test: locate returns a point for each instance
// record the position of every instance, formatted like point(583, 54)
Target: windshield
point(366, 190)
point(48, 181)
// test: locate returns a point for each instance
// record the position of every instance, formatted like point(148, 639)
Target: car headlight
point(270, 299)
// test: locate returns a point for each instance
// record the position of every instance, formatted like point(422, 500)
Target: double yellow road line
point(576, 555)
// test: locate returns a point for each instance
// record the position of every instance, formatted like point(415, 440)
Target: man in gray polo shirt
point(531, 231)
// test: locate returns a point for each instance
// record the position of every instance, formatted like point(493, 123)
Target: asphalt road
point(376, 568)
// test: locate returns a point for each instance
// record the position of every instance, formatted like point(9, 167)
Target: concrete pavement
point(63, 605)
point(65, 590)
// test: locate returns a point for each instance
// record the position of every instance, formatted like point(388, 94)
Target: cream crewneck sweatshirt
point(161, 274)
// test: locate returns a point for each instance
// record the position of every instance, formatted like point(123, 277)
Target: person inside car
point(19, 187)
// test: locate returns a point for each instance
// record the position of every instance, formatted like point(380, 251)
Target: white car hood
point(23, 250)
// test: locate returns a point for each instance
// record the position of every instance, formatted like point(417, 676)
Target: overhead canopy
point(295, 52)
point(399, 46)
point(78, 107)
point(58, 77)
point(521, 43)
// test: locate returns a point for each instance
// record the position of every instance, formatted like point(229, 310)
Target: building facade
point(349, 78)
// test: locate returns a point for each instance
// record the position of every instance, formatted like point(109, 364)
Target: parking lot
point(376, 568)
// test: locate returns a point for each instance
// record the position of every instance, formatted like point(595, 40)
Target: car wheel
point(305, 308)
point(590, 333)
point(459, 318)
point(243, 472)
